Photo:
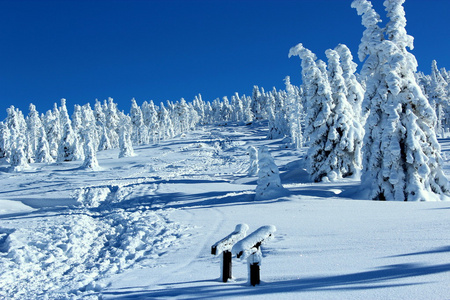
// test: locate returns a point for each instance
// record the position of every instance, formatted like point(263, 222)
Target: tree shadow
point(432, 251)
point(374, 279)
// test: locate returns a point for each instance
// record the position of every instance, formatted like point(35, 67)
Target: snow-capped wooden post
point(224, 246)
point(249, 248)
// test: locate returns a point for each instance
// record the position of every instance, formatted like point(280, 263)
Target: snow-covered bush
point(269, 183)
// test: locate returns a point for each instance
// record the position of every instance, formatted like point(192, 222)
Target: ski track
point(117, 223)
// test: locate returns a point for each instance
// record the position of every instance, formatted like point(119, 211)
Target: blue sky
point(84, 50)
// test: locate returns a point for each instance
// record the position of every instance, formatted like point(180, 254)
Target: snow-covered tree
point(17, 127)
point(355, 91)
point(77, 120)
point(52, 126)
point(248, 116)
point(151, 120)
point(43, 149)
point(140, 131)
point(125, 145)
point(319, 105)
point(112, 121)
point(269, 183)
point(90, 153)
point(33, 128)
point(258, 103)
point(294, 110)
point(68, 148)
point(5, 139)
point(166, 130)
point(105, 143)
point(253, 168)
point(18, 159)
point(199, 106)
point(438, 96)
point(346, 133)
point(401, 154)
point(99, 114)
point(274, 131)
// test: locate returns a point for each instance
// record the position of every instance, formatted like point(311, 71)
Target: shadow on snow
point(374, 279)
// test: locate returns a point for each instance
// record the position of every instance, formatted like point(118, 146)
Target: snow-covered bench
point(249, 248)
point(224, 246)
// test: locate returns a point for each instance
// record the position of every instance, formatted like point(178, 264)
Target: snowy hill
point(142, 227)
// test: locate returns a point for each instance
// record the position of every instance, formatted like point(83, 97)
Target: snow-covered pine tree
point(294, 110)
point(105, 143)
point(90, 153)
point(33, 128)
point(43, 149)
point(438, 96)
point(17, 128)
point(248, 116)
point(140, 131)
point(151, 121)
point(253, 168)
point(99, 114)
point(238, 108)
point(167, 130)
point(68, 144)
point(194, 118)
point(274, 130)
point(319, 105)
point(181, 117)
point(257, 103)
point(269, 183)
point(77, 120)
point(52, 131)
point(281, 113)
point(227, 110)
point(346, 133)
point(401, 154)
point(355, 91)
point(217, 116)
point(199, 106)
point(209, 113)
point(112, 122)
point(5, 139)
point(18, 159)
point(125, 145)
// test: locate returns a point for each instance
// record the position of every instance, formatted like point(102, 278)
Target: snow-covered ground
point(143, 227)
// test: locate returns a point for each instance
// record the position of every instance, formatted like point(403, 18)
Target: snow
point(227, 242)
point(11, 207)
point(142, 228)
point(250, 244)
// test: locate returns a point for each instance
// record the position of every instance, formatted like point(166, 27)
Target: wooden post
point(226, 266)
point(224, 246)
point(254, 274)
point(249, 248)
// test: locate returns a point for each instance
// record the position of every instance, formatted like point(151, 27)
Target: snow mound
point(45, 258)
point(13, 207)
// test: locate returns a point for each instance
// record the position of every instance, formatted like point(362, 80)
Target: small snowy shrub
point(269, 183)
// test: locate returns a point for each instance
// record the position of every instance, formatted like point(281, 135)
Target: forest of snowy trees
point(381, 124)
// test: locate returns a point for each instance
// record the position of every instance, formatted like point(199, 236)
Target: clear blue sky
point(167, 49)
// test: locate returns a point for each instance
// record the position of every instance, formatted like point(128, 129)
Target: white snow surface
point(250, 244)
point(142, 228)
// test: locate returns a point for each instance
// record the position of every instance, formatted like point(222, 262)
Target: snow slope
point(142, 228)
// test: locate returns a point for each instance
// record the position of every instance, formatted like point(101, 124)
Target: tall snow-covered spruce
point(346, 132)
point(332, 126)
point(318, 106)
point(401, 154)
